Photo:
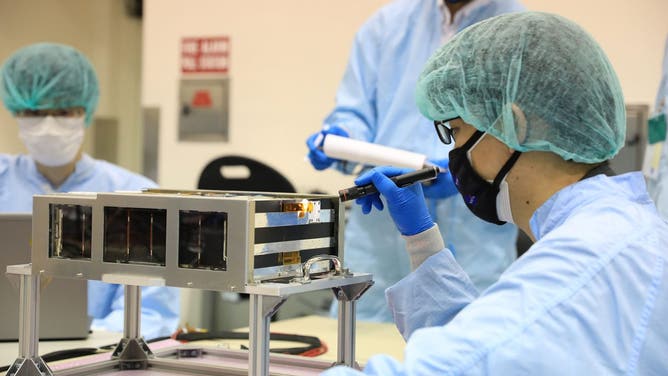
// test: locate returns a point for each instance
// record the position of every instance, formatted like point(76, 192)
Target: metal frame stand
point(266, 298)
point(29, 363)
point(262, 307)
point(347, 297)
point(132, 351)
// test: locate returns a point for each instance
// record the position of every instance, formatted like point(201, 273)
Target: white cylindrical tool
point(367, 153)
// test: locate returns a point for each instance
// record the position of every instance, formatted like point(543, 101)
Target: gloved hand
point(441, 187)
point(406, 205)
point(316, 156)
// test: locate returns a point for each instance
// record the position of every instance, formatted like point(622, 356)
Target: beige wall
point(109, 38)
point(288, 56)
point(631, 33)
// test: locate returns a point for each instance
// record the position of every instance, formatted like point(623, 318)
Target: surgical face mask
point(489, 201)
point(52, 141)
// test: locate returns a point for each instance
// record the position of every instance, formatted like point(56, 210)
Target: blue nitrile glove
point(316, 156)
point(406, 205)
point(441, 187)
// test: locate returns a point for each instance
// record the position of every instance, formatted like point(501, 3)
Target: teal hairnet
point(535, 81)
point(48, 76)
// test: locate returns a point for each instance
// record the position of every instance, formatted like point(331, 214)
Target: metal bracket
point(351, 292)
point(347, 297)
point(132, 353)
point(29, 367)
point(355, 365)
point(270, 305)
point(196, 352)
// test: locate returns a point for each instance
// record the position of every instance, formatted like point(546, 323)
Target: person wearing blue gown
point(52, 91)
point(535, 112)
point(374, 103)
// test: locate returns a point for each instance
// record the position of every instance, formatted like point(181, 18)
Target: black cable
point(156, 339)
point(67, 354)
point(310, 341)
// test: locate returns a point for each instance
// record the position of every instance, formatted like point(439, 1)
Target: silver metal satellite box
point(267, 245)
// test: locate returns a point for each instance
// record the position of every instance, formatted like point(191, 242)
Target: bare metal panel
point(630, 157)
point(294, 245)
point(204, 109)
point(151, 140)
point(105, 142)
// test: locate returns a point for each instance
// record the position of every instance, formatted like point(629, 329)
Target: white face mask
point(503, 203)
point(52, 141)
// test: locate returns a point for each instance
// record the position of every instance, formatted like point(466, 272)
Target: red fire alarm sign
point(205, 55)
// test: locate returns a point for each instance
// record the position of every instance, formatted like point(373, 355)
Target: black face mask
point(479, 195)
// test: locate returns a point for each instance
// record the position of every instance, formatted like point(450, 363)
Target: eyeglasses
point(444, 131)
point(60, 112)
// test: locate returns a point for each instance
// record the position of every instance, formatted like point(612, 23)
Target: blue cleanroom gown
point(589, 298)
point(375, 102)
point(658, 185)
point(20, 180)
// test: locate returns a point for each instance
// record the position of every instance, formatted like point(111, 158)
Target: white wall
point(288, 56)
point(106, 35)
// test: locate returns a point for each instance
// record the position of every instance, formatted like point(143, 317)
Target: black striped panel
point(288, 233)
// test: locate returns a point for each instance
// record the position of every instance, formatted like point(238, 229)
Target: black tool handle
point(401, 181)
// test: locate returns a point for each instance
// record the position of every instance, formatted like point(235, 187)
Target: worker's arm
point(356, 108)
point(432, 295)
point(438, 288)
point(159, 311)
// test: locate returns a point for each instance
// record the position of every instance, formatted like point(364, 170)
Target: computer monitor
point(63, 311)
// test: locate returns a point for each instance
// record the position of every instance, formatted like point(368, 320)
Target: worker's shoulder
point(503, 6)
point(119, 178)
point(399, 11)
point(7, 162)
